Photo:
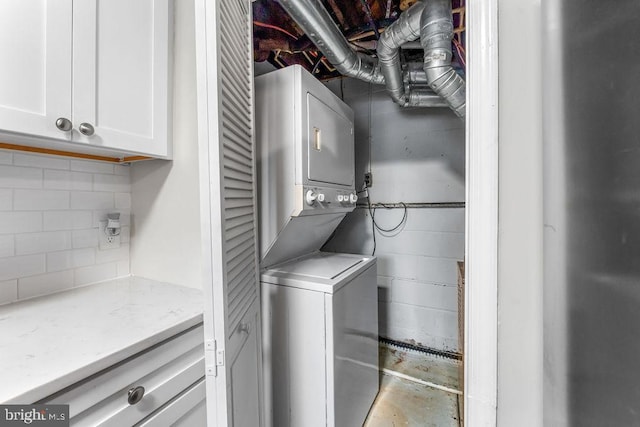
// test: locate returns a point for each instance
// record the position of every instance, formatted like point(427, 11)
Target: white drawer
point(188, 410)
point(164, 371)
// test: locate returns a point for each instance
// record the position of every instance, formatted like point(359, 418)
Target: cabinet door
point(121, 52)
point(35, 77)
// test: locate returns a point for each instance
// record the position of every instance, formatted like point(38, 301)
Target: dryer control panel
point(314, 200)
point(328, 198)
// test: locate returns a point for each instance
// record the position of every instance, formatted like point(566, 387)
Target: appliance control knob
point(353, 197)
point(310, 197)
point(321, 197)
point(340, 198)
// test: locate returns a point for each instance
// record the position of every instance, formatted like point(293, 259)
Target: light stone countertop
point(51, 342)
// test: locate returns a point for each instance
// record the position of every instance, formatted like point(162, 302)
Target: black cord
point(374, 224)
point(390, 230)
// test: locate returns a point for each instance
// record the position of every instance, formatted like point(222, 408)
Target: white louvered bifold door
point(229, 212)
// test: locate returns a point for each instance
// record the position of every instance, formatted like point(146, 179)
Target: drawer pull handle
point(135, 395)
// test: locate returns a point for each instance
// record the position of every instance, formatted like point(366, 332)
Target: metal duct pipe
point(425, 97)
point(417, 89)
point(414, 73)
point(317, 24)
point(435, 36)
point(405, 29)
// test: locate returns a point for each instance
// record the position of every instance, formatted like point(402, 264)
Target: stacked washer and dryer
point(319, 309)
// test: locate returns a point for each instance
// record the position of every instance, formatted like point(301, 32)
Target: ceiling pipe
point(430, 20)
point(405, 29)
point(425, 97)
point(317, 24)
point(436, 33)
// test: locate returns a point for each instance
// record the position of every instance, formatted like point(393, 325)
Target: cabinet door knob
point(135, 395)
point(64, 124)
point(86, 129)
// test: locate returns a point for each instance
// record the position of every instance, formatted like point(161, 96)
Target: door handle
point(245, 327)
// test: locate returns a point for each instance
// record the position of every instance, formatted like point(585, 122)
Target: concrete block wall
point(415, 156)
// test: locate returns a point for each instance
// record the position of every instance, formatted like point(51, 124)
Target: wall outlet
point(107, 242)
point(368, 179)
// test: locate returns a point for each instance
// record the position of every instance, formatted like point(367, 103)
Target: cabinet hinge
point(214, 357)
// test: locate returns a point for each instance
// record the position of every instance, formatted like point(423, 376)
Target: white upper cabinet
point(121, 74)
point(104, 65)
point(35, 78)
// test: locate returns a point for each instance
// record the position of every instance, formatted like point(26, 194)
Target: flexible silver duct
point(436, 34)
point(317, 24)
point(417, 89)
point(430, 20)
point(425, 97)
point(405, 29)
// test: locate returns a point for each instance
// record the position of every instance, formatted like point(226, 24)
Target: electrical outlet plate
point(368, 179)
point(107, 242)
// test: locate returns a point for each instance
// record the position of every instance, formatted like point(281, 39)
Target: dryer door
point(331, 148)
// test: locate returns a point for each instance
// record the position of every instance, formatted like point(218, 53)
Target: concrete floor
point(415, 390)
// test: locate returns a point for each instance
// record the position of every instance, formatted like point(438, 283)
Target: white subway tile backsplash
point(6, 158)
point(49, 213)
point(44, 284)
point(67, 220)
point(125, 218)
point(66, 180)
point(91, 200)
point(7, 247)
point(6, 199)
point(123, 200)
point(65, 260)
point(20, 222)
point(91, 166)
point(18, 177)
point(21, 266)
point(96, 273)
point(122, 170)
point(85, 238)
point(125, 234)
point(111, 255)
point(40, 200)
point(101, 215)
point(8, 291)
point(37, 243)
point(38, 161)
point(113, 183)
point(123, 268)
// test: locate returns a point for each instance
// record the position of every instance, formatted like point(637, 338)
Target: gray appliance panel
point(330, 149)
point(591, 64)
point(301, 235)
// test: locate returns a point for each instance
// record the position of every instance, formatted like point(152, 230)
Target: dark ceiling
point(279, 40)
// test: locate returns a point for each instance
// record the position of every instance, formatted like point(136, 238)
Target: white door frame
point(481, 269)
